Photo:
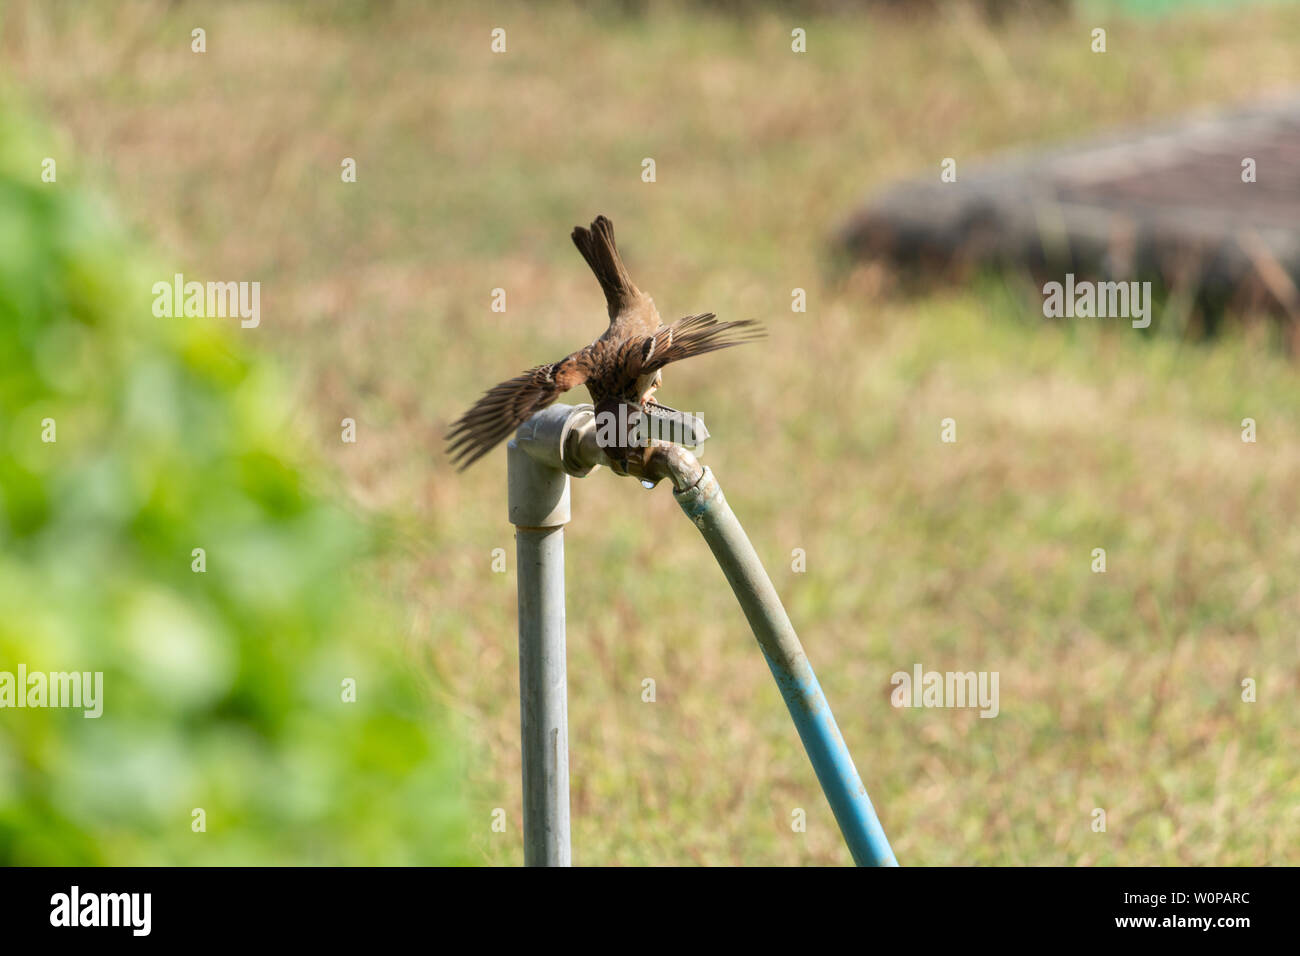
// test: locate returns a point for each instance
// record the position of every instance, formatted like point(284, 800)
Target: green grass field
point(1119, 690)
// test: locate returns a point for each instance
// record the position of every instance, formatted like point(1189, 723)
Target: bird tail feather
point(597, 247)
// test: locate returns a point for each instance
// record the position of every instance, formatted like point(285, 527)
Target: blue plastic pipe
point(705, 505)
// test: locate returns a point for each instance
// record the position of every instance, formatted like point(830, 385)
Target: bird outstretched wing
point(695, 335)
point(505, 407)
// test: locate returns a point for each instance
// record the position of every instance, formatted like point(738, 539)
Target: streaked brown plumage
point(624, 365)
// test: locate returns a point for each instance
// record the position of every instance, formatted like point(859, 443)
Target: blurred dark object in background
point(1173, 204)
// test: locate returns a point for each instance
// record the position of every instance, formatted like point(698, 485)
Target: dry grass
point(1119, 691)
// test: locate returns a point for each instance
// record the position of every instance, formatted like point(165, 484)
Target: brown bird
point(624, 365)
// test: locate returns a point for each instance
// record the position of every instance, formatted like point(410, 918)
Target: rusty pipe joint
point(652, 461)
point(566, 438)
point(663, 459)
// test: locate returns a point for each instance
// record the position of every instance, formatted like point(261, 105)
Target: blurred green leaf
point(222, 689)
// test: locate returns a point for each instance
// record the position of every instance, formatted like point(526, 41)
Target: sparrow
point(624, 365)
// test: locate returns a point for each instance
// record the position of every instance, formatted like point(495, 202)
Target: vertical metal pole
point(704, 503)
point(539, 509)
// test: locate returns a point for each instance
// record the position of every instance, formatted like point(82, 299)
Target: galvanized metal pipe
point(562, 439)
point(705, 505)
point(539, 509)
